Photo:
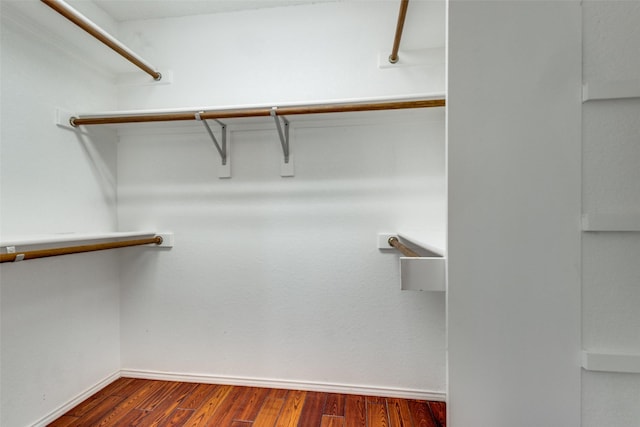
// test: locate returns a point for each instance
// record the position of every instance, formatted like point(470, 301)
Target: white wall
point(306, 309)
point(287, 54)
point(611, 155)
point(59, 317)
point(279, 278)
point(514, 206)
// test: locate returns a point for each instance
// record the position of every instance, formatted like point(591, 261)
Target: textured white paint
point(272, 278)
point(610, 399)
point(59, 317)
point(142, 9)
point(60, 331)
point(281, 55)
point(610, 40)
point(610, 292)
point(277, 278)
point(611, 155)
point(514, 98)
point(77, 44)
point(47, 169)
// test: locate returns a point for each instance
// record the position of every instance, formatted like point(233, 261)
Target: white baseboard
point(76, 400)
point(288, 384)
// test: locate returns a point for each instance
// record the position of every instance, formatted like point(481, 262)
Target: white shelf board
point(611, 362)
point(432, 241)
point(431, 57)
point(621, 89)
point(611, 222)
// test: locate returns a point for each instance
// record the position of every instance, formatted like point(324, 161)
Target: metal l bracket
point(222, 149)
point(284, 137)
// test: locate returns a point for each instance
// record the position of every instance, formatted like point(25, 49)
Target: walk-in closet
point(319, 213)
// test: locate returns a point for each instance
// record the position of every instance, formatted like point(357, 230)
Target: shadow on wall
point(100, 146)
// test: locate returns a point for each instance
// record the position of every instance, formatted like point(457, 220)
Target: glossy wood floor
point(135, 402)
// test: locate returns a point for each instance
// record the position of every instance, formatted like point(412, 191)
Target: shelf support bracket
point(284, 137)
point(222, 149)
point(286, 167)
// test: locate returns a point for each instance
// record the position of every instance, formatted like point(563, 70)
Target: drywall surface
point(610, 399)
point(514, 208)
point(277, 278)
point(52, 177)
point(610, 292)
point(60, 332)
point(60, 318)
point(611, 155)
point(272, 278)
point(285, 55)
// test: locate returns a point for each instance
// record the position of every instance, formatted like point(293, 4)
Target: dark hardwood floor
point(136, 402)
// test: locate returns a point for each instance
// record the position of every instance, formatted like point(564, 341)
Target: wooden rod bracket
point(393, 241)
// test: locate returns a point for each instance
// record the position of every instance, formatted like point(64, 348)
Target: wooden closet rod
point(90, 27)
point(255, 112)
point(393, 241)
point(43, 253)
point(404, 4)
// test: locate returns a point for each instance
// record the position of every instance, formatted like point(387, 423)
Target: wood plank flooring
point(136, 402)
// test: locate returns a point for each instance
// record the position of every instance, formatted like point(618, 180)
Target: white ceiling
point(126, 10)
